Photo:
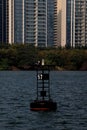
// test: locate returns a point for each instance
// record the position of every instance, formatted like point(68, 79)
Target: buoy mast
point(43, 83)
point(43, 100)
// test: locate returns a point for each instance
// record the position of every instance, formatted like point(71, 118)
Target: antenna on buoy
point(43, 100)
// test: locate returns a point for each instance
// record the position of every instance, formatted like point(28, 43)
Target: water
point(18, 89)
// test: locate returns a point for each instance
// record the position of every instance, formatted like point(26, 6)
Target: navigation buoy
point(43, 100)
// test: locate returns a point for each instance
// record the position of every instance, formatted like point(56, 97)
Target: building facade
point(71, 23)
point(36, 22)
point(19, 21)
point(60, 23)
point(31, 22)
point(28, 21)
point(42, 23)
point(80, 23)
point(50, 22)
point(3, 21)
point(76, 23)
point(10, 21)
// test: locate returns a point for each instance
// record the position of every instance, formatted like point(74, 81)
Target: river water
point(68, 89)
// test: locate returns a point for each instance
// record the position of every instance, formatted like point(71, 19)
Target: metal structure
point(43, 100)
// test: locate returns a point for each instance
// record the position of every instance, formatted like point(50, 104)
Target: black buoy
point(43, 100)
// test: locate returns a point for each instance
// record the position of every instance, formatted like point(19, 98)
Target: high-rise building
point(68, 22)
point(71, 23)
point(2, 21)
point(60, 22)
point(15, 21)
point(42, 23)
point(19, 21)
point(50, 22)
point(80, 26)
point(29, 21)
point(77, 34)
point(36, 22)
point(76, 23)
point(65, 22)
point(56, 23)
point(10, 21)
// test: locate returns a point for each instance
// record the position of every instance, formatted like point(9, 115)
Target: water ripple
point(69, 90)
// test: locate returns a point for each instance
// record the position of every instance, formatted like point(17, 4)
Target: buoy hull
point(43, 106)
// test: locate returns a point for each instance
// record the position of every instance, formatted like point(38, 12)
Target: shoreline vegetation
point(24, 57)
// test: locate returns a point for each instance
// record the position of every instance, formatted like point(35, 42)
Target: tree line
point(23, 57)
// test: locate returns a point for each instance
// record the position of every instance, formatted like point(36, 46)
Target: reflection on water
point(69, 90)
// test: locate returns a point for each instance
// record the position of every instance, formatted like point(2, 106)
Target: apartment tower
point(36, 22)
point(2, 21)
point(29, 21)
point(19, 21)
point(80, 18)
point(76, 23)
point(50, 22)
point(71, 22)
point(60, 23)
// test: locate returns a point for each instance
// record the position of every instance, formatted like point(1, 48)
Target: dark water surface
point(68, 88)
